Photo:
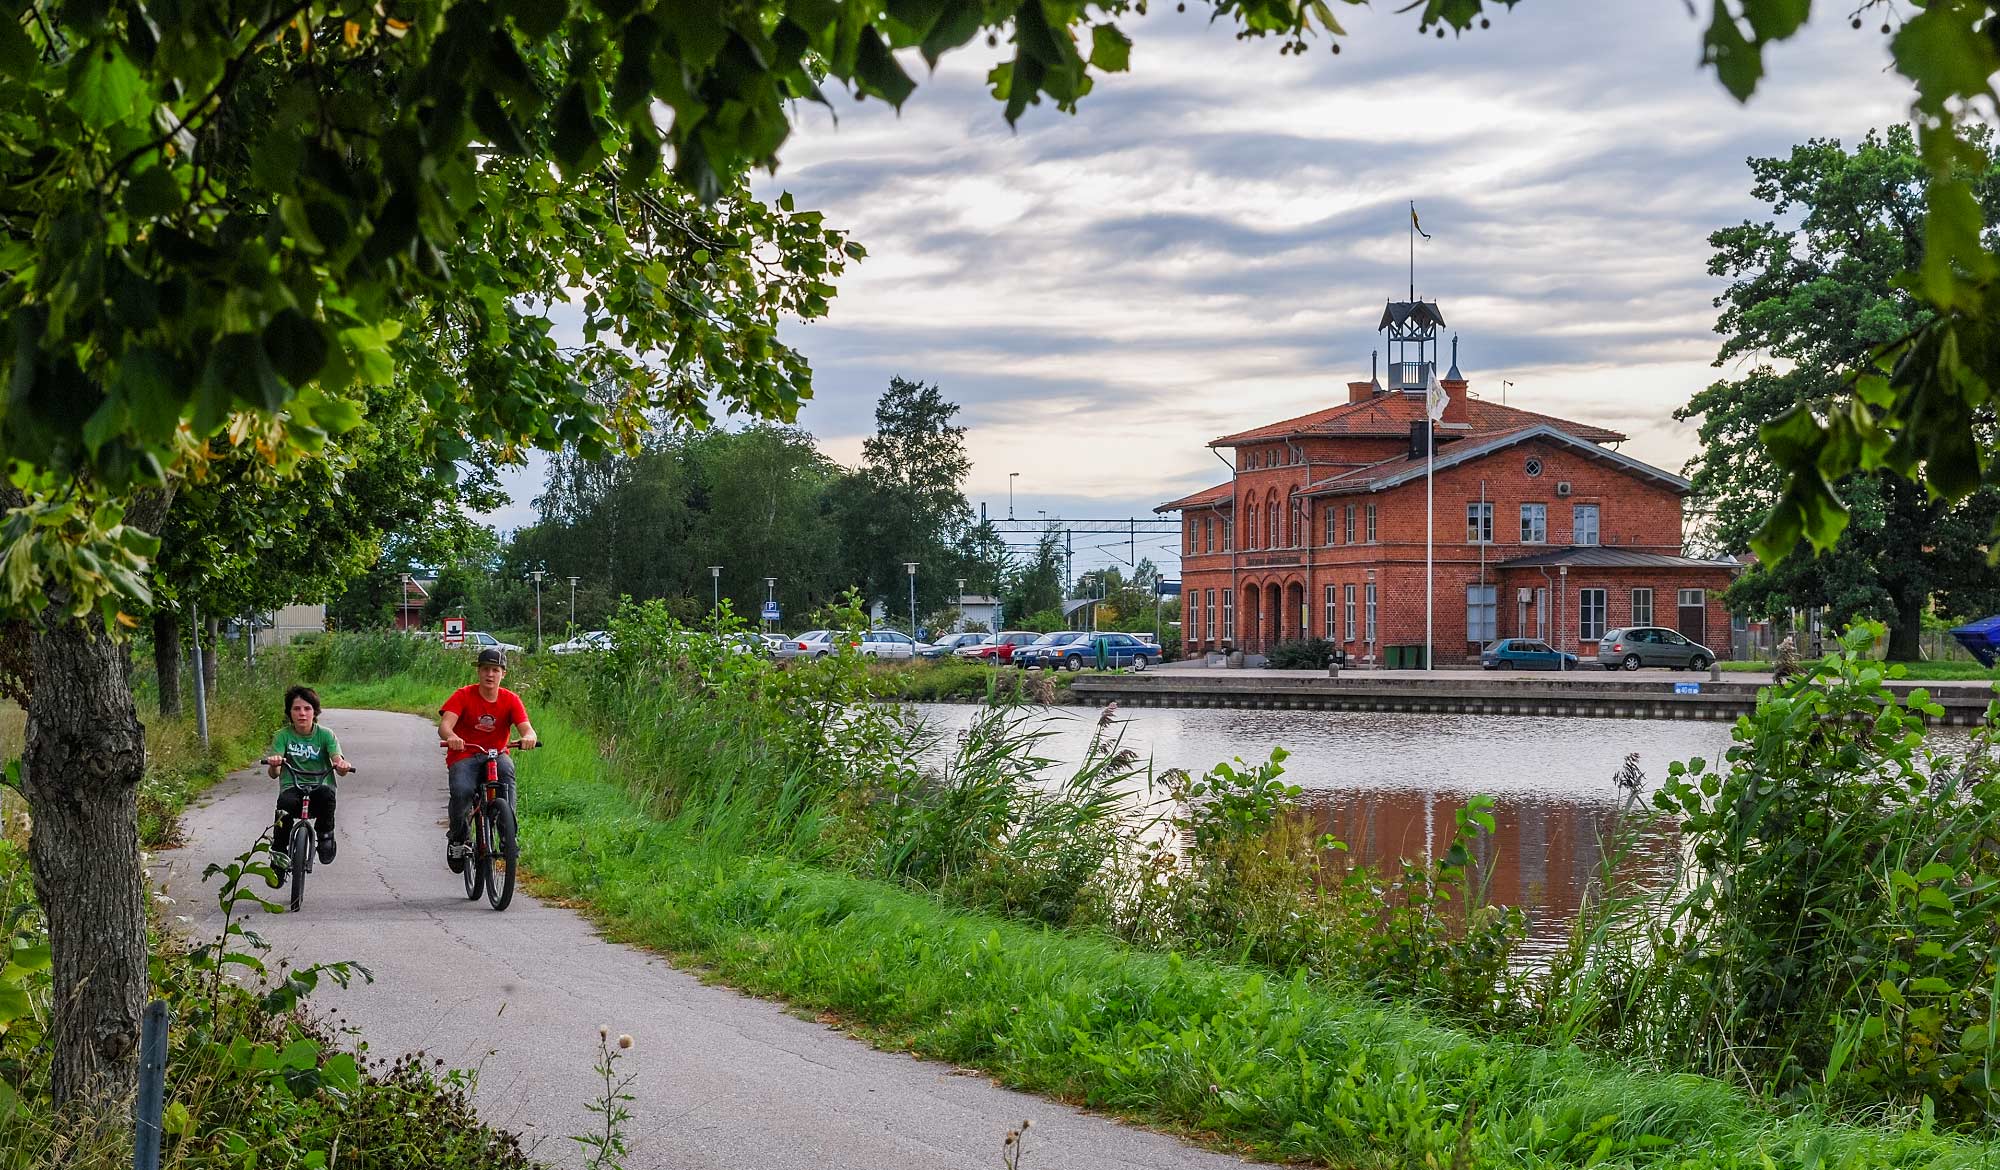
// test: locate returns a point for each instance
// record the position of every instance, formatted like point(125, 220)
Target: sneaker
point(326, 849)
point(454, 856)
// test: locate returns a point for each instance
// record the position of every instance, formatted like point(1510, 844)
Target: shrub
point(1300, 654)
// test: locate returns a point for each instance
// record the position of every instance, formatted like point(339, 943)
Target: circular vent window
point(1534, 467)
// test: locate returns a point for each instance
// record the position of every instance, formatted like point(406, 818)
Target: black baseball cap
point(492, 657)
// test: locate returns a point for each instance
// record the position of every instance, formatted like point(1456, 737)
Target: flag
point(1435, 398)
point(1416, 223)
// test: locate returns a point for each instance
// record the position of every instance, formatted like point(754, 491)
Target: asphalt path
point(723, 1080)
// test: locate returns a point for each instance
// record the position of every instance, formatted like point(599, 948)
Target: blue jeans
point(466, 777)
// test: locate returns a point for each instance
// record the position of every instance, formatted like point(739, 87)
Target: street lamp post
point(910, 567)
point(537, 574)
point(715, 583)
point(572, 607)
point(1011, 477)
point(961, 603)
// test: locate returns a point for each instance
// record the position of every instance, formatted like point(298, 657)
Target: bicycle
point(300, 848)
point(491, 817)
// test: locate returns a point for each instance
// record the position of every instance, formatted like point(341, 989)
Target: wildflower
point(603, 1033)
point(624, 1040)
point(163, 900)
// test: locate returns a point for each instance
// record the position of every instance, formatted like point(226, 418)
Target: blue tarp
point(1982, 638)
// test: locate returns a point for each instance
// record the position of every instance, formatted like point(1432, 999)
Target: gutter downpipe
point(1235, 551)
point(1543, 617)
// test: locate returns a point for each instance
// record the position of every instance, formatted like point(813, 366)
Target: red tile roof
point(1389, 472)
point(1391, 415)
point(1222, 493)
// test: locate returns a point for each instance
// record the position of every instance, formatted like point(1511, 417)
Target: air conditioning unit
point(1562, 488)
point(1524, 595)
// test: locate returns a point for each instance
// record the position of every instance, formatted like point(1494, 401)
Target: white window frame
point(1370, 638)
point(1647, 593)
point(1576, 525)
point(1534, 523)
point(1347, 600)
point(1332, 615)
point(1585, 610)
point(1229, 613)
point(1349, 525)
point(1479, 522)
point(1371, 524)
point(1482, 613)
point(1700, 598)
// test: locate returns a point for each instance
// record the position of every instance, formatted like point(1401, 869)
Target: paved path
point(724, 1080)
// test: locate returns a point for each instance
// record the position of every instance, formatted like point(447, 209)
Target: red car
point(1001, 648)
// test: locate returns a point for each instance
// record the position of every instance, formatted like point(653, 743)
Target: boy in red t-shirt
point(472, 720)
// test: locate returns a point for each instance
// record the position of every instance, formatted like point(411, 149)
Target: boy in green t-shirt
point(309, 759)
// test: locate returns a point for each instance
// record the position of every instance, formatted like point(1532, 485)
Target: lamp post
point(572, 607)
point(770, 597)
point(536, 575)
point(910, 567)
point(1562, 614)
point(715, 584)
point(961, 603)
point(403, 605)
point(1011, 477)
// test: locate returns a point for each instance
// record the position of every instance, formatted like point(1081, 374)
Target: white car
point(952, 644)
point(583, 643)
point(891, 644)
point(481, 640)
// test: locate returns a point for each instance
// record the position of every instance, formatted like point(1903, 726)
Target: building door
point(1542, 614)
point(1694, 615)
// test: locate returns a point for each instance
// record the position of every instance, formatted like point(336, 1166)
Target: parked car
point(481, 640)
point(953, 643)
point(1120, 650)
point(892, 644)
point(1045, 651)
point(817, 644)
point(583, 643)
point(1637, 646)
point(1525, 654)
point(999, 647)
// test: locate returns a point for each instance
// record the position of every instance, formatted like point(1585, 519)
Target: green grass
point(1287, 1069)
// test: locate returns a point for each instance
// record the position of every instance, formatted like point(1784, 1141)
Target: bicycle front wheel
point(475, 879)
point(301, 858)
point(500, 856)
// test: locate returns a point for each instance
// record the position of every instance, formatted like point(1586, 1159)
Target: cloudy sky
point(1207, 244)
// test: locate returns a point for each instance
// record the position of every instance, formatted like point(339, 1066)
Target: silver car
point(1637, 646)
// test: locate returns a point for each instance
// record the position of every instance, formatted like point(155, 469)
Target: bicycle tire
point(500, 860)
point(301, 856)
point(482, 852)
point(475, 884)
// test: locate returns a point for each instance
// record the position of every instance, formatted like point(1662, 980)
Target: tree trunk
point(167, 661)
point(85, 754)
point(1906, 628)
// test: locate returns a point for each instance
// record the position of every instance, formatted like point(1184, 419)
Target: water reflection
point(1387, 784)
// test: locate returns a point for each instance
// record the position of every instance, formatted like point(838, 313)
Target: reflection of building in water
point(1541, 857)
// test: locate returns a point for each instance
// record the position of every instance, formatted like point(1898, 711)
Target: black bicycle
point(492, 848)
point(300, 847)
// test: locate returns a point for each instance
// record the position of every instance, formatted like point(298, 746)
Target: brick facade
point(1295, 521)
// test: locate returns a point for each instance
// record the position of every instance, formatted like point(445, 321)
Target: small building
point(1541, 527)
point(410, 611)
point(289, 624)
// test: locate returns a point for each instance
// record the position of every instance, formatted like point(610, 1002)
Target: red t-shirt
point(481, 724)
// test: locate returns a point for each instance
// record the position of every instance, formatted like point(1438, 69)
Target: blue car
point(1120, 651)
point(1525, 654)
point(1045, 651)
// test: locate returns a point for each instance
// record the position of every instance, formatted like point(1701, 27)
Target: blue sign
point(1681, 688)
point(1168, 589)
point(771, 611)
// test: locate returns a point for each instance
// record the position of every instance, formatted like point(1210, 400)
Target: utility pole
point(961, 603)
point(911, 568)
point(715, 583)
point(537, 575)
point(200, 683)
point(572, 607)
point(1011, 477)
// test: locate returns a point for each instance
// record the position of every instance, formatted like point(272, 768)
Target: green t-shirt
point(308, 758)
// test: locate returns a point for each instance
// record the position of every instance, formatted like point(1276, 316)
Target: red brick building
point(1542, 527)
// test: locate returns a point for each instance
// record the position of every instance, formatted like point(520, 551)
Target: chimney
point(1420, 438)
point(1360, 391)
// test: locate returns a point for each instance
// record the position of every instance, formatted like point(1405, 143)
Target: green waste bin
point(1393, 657)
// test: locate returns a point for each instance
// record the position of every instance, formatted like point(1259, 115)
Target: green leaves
point(105, 88)
point(1110, 50)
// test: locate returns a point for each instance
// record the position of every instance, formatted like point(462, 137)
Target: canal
point(1387, 783)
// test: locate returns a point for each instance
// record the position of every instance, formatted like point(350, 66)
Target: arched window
point(1274, 525)
point(1253, 516)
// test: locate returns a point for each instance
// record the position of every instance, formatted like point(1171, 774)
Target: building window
point(1229, 613)
point(1331, 515)
point(1347, 604)
point(1350, 523)
point(1369, 635)
point(1583, 526)
point(1534, 523)
point(1274, 532)
point(1371, 524)
point(1187, 542)
point(1299, 524)
point(1482, 613)
point(1228, 534)
point(1479, 523)
point(1208, 534)
point(1590, 614)
point(1252, 517)
point(1332, 617)
point(1642, 607)
point(1693, 598)
point(1208, 619)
